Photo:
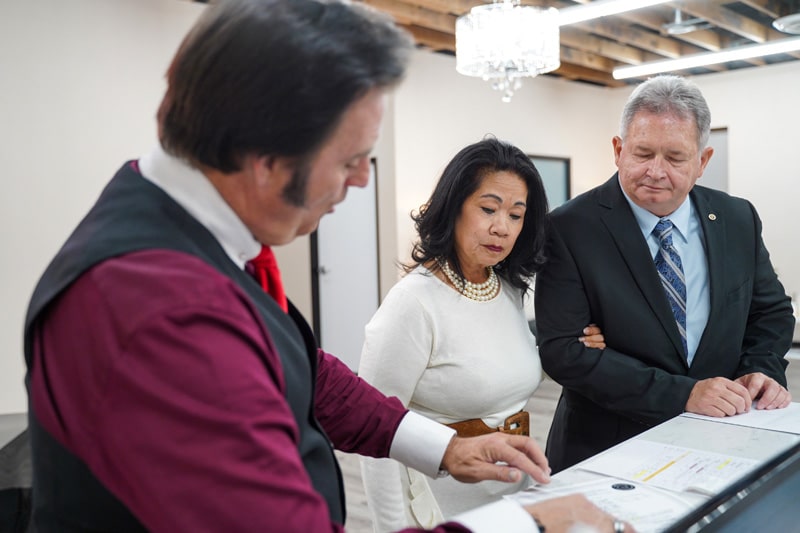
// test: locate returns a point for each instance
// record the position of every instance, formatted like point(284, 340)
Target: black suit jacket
point(600, 270)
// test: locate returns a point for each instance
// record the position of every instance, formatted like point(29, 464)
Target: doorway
point(345, 272)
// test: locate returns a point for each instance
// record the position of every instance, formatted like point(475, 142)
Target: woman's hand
point(593, 337)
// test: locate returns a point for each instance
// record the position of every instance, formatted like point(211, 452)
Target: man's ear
point(616, 142)
point(705, 157)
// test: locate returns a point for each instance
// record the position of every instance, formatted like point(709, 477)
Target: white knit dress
point(449, 358)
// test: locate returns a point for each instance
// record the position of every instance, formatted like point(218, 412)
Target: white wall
point(761, 109)
point(80, 81)
point(439, 111)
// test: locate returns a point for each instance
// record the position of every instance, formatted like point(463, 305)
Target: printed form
point(649, 509)
point(670, 467)
point(650, 484)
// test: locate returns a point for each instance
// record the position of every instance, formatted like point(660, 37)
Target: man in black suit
point(709, 339)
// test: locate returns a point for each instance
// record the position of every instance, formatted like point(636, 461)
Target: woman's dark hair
point(436, 220)
point(274, 77)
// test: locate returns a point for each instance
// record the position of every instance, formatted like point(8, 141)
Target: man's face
point(659, 161)
point(341, 162)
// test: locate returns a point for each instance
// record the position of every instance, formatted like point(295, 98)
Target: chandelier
point(504, 42)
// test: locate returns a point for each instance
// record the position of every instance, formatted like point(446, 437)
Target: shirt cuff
point(502, 515)
point(420, 443)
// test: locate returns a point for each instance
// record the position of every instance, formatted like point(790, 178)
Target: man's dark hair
point(274, 77)
point(436, 220)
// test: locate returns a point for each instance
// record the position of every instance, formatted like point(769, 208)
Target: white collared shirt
point(195, 193)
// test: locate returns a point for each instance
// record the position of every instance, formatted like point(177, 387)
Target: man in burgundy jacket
point(168, 391)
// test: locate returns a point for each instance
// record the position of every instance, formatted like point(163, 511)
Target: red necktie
point(265, 270)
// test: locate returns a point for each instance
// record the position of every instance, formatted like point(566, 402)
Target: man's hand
point(560, 515)
point(475, 459)
point(769, 393)
point(718, 397)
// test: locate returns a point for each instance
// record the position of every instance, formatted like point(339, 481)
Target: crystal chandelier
point(504, 42)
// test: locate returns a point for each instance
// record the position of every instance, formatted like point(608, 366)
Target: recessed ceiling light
point(788, 24)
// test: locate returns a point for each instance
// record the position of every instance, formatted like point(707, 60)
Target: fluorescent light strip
point(600, 8)
point(781, 46)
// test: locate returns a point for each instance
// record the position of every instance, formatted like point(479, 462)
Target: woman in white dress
point(451, 340)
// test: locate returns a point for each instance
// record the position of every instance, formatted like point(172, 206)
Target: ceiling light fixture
point(788, 24)
point(681, 26)
point(781, 46)
point(600, 8)
point(504, 42)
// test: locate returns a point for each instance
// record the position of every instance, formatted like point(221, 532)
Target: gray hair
point(669, 94)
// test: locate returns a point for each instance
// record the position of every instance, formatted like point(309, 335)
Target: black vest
point(132, 214)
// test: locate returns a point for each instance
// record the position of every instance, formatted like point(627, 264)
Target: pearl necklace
point(480, 292)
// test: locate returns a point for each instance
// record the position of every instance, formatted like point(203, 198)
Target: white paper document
point(648, 509)
point(786, 419)
point(670, 467)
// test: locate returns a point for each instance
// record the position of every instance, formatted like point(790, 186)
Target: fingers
point(773, 396)
point(723, 397)
point(754, 383)
point(769, 393)
point(497, 456)
point(733, 398)
point(786, 401)
point(573, 512)
point(620, 526)
point(592, 329)
point(593, 337)
point(718, 397)
point(524, 454)
point(481, 471)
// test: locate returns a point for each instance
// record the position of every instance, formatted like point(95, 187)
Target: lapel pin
point(712, 216)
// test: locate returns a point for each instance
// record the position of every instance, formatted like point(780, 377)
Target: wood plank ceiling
point(591, 50)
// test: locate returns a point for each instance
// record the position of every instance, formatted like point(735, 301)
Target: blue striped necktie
point(670, 269)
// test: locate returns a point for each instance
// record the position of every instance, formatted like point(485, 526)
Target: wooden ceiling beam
point(771, 8)
point(586, 59)
point(435, 40)
point(733, 22)
point(630, 35)
point(452, 7)
point(582, 73)
point(706, 39)
point(656, 19)
point(726, 19)
point(405, 13)
point(575, 38)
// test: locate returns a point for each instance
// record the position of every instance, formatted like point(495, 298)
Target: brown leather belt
point(516, 424)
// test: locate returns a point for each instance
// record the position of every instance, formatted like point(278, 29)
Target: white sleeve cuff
point(420, 443)
point(503, 515)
